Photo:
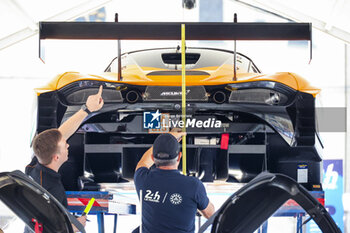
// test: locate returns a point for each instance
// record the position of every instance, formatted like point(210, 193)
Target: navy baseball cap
point(166, 147)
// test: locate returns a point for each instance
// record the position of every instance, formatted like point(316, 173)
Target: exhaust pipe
point(132, 96)
point(219, 97)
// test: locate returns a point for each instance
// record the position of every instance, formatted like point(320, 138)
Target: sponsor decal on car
point(158, 122)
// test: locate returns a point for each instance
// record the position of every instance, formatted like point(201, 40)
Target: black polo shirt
point(49, 180)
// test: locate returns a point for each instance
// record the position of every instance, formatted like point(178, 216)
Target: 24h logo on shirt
point(150, 196)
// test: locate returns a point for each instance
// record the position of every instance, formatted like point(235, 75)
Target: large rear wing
point(172, 31)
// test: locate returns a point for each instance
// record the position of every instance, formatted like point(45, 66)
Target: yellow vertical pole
point(183, 91)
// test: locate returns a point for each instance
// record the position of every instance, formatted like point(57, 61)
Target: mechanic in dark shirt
point(169, 199)
point(51, 151)
point(51, 181)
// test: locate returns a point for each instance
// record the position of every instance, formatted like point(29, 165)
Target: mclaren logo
point(173, 93)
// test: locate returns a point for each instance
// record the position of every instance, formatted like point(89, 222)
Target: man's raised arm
point(93, 103)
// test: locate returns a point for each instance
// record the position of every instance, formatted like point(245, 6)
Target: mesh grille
point(258, 95)
point(80, 96)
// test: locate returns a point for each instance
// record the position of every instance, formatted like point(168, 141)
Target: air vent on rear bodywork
point(77, 93)
point(261, 92)
point(258, 95)
point(80, 96)
point(47, 111)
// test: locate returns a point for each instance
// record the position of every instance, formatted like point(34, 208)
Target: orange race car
point(239, 121)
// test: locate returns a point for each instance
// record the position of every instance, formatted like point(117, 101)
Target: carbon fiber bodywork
point(278, 137)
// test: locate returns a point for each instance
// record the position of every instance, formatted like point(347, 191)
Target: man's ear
point(179, 157)
point(55, 157)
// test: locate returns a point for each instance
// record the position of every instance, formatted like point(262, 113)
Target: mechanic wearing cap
point(170, 200)
point(51, 151)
